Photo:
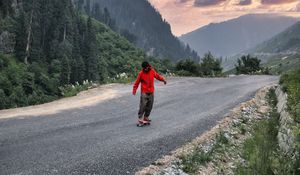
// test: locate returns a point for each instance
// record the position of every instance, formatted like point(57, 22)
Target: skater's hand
point(133, 93)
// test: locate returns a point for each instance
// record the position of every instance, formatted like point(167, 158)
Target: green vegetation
point(250, 65)
point(284, 42)
point(283, 63)
point(192, 162)
point(55, 49)
point(291, 85)
point(22, 85)
point(209, 67)
point(259, 150)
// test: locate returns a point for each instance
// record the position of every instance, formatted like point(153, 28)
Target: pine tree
point(77, 64)
point(65, 71)
point(20, 33)
point(5, 8)
point(92, 72)
point(88, 7)
point(36, 38)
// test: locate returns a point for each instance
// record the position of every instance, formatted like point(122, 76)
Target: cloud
point(199, 3)
point(277, 1)
point(245, 2)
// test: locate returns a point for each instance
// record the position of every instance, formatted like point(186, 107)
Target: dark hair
point(145, 64)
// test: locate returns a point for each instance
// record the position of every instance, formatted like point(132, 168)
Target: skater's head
point(146, 66)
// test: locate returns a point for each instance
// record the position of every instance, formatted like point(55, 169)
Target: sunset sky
point(187, 15)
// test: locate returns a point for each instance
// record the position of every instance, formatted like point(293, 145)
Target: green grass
point(198, 157)
point(191, 163)
point(283, 64)
point(261, 151)
point(290, 83)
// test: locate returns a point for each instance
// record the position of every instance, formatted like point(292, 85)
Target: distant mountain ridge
point(140, 18)
point(234, 36)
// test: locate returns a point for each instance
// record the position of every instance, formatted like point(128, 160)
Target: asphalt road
point(104, 139)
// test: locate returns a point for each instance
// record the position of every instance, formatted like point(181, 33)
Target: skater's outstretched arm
point(159, 77)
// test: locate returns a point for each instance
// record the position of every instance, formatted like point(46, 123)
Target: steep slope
point(287, 41)
point(139, 17)
point(46, 45)
point(236, 35)
point(281, 53)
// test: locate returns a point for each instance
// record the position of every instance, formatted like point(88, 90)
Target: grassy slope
point(282, 64)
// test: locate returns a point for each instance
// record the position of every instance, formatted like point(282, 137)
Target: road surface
point(104, 139)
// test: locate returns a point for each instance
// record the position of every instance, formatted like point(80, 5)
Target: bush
point(209, 67)
point(192, 162)
point(188, 67)
point(250, 65)
point(72, 90)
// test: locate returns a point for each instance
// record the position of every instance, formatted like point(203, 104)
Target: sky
point(187, 15)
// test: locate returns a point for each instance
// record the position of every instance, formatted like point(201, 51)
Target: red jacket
point(147, 81)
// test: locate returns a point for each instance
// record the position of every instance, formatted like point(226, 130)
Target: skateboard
point(142, 123)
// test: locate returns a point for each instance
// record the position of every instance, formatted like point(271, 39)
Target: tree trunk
point(65, 32)
point(29, 37)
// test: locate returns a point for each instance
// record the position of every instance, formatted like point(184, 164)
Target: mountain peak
point(236, 35)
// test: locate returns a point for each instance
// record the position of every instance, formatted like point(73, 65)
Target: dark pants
point(146, 104)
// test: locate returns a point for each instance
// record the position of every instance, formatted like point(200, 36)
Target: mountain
point(143, 23)
point(287, 41)
point(234, 36)
point(282, 52)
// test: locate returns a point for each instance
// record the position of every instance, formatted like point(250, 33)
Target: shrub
point(249, 65)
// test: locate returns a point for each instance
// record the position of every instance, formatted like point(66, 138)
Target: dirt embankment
point(83, 99)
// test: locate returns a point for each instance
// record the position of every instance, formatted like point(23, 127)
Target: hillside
point(45, 45)
point(143, 23)
point(282, 64)
point(234, 36)
point(281, 53)
point(287, 41)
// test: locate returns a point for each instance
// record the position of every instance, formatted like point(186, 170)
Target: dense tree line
point(56, 45)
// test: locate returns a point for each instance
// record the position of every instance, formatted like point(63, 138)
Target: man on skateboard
point(146, 78)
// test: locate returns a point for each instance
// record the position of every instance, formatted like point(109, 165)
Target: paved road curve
point(103, 139)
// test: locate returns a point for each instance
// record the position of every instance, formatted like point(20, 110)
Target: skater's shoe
point(147, 119)
point(142, 123)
